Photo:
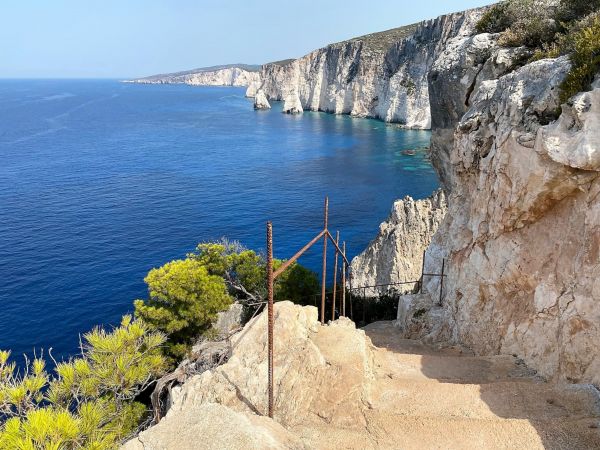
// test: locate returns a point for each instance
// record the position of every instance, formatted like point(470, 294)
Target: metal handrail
point(273, 274)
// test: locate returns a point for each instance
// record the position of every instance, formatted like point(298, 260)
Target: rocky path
point(337, 387)
point(423, 398)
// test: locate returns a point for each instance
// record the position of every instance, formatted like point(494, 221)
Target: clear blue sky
point(126, 38)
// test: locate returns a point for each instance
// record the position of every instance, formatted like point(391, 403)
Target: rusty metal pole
point(324, 275)
point(364, 320)
point(442, 281)
point(350, 293)
point(335, 268)
point(270, 312)
point(422, 272)
point(344, 282)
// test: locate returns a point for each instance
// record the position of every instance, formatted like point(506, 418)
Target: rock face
point(335, 389)
point(381, 75)
point(324, 378)
point(230, 75)
point(522, 232)
point(260, 101)
point(213, 426)
point(396, 254)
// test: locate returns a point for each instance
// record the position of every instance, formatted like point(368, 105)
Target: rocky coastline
point(241, 75)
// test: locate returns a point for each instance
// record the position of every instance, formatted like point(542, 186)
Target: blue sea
point(101, 181)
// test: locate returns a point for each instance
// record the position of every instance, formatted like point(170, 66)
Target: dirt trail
point(426, 398)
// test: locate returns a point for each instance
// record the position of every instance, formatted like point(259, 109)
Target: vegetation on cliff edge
point(552, 29)
point(92, 401)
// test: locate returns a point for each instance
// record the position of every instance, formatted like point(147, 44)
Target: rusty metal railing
point(418, 282)
point(272, 275)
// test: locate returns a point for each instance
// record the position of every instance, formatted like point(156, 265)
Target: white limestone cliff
point(396, 254)
point(522, 232)
point(382, 75)
point(234, 75)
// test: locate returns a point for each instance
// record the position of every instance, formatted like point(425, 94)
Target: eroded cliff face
point(226, 76)
point(382, 75)
point(522, 233)
point(396, 253)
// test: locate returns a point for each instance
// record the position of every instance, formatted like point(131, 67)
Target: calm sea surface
point(101, 181)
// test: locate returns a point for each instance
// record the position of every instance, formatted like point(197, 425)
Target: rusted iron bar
point(422, 272)
point(344, 281)
point(324, 275)
point(336, 246)
point(387, 284)
point(350, 293)
point(364, 305)
point(270, 279)
point(335, 268)
point(442, 281)
point(294, 258)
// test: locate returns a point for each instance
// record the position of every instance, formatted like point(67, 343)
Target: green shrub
point(585, 59)
point(297, 284)
point(495, 20)
point(244, 272)
point(183, 301)
point(90, 401)
point(570, 10)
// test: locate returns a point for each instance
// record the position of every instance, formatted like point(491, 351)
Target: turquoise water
point(101, 181)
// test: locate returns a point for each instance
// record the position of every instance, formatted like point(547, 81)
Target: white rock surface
point(382, 75)
point(260, 101)
point(325, 377)
point(225, 76)
point(292, 104)
point(523, 225)
point(396, 254)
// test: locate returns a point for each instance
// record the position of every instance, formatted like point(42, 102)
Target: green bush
point(569, 27)
point(183, 301)
point(89, 402)
point(186, 295)
point(495, 20)
point(297, 284)
point(585, 59)
point(244, 273)
point(569, 10)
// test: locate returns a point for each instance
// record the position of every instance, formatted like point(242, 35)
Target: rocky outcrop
point(230, 75)
point(260, 101)
point(335, 389)
point(212, 426)
point(324, 378)
point(292, 104)
point(522, 232)
point(396, 254)
point(381, 75)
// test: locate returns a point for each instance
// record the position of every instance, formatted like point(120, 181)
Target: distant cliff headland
point(223, 75)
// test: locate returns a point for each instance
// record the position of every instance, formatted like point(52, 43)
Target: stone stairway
point(425, 398)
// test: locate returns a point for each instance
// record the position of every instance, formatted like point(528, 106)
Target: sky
point(132, 38)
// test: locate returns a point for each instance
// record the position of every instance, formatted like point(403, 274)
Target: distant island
point(224, 75)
